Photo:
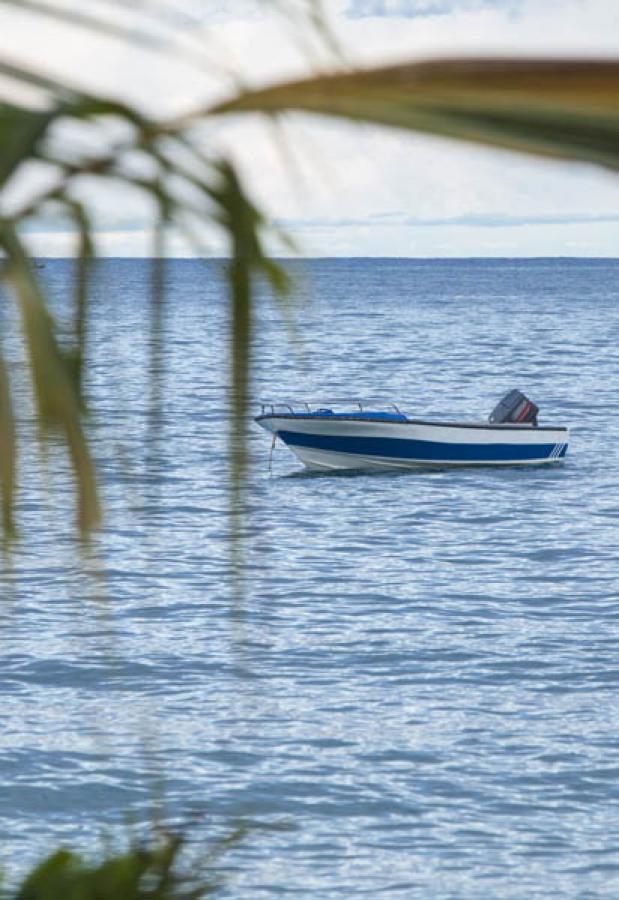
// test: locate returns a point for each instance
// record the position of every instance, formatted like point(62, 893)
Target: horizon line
point(225, 259)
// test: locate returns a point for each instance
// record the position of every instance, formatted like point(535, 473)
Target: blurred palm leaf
point(560, 108)
point(21, 130)
point(8, 450)
point(57, 402)
point(149, 871)
point(208, 190)
point(244, 223)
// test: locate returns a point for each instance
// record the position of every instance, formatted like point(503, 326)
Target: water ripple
point(419, 694)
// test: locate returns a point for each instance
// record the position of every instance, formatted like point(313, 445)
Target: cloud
point(489, 220)
point(416, 9)
point(355, 190)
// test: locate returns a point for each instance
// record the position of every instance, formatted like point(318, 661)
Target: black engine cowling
point(514, 408)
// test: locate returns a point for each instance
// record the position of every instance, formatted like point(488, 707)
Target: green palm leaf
point(560, 108)
point(57, 401)
point(244, 224)
point(20, 130)
point(8, 450)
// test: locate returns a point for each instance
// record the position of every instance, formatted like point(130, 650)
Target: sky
point(342, 189)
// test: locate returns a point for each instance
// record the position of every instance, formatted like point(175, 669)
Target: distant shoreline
point(308, 259)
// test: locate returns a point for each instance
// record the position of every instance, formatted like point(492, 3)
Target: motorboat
point(364, 435)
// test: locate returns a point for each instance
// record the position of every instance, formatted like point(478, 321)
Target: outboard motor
point(516, 408)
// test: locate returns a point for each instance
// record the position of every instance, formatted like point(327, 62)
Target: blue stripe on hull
point(423, 451)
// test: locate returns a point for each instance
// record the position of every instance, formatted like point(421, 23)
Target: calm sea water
point(419, 694)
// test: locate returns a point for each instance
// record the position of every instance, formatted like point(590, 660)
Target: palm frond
point(55, 394)
point(187, 185)
point(84, 258)
point(21, 130)
point(8, 451)
point(558, 108)
point(244, 224)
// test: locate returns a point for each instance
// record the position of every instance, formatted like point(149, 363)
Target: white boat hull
point(358, 442)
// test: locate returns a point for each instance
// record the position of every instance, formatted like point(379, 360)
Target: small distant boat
point(369, 438)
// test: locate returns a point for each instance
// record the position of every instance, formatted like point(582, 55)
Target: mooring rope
point(271, 454)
